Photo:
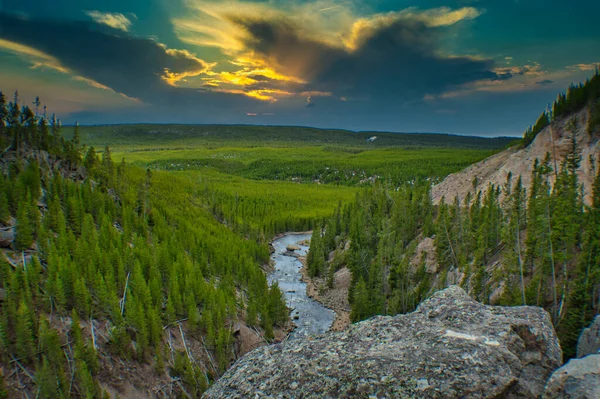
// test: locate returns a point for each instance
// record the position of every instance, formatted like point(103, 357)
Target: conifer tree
point(361, 306)
point(24, 232)
point(4, 113)
point(25, 345)
point(4, 207)
point(76, 137)
point(91, 160)
point(3, 388)
point(14, 121)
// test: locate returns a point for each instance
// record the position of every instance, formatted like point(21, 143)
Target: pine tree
point(91, 160)
point(46, 381)
point(14, 122)
point(76, 137)
point(24, 231)
point(25, 345)
point(4, 208)
point(315, 258)
point(361, 304)
point(108, 168)
point(3, 388)
point(4, 113)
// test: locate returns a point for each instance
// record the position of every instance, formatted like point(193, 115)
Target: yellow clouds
point(217, 34)
point(270, 95)
point(211, 22)
point(114, 20)
point(287, 48)
point(91, 82)
point(364, 28)
point(208, 23)
point(200, 67)
point(62, 94)
point(38, 58)
point(258, 67)
point(251, 77)
point(585, 67)
point(442, 16)
point(41, 60)
point(523, 78)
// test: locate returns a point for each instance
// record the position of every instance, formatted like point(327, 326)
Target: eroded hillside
point(555, 139)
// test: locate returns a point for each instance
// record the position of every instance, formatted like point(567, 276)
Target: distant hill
point(247, 135)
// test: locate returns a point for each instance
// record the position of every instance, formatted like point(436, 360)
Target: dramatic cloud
point(325, 46)
point(397, 58)
point(336, 63)
point(137, 67)
point(37, 58)
point(114, 20)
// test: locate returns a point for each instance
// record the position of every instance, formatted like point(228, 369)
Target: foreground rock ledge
point(450, 347)
point(578, 379)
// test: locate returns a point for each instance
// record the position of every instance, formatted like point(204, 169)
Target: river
point(309, 316)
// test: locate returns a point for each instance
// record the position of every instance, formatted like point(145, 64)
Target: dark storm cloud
point(397, 60)
point(544, 82)
point(129, 65)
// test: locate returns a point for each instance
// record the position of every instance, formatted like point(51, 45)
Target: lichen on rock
point(578, 379)
point(450, 347)
point(589, 340)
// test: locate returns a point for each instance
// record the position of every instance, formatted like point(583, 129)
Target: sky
point(475, 67)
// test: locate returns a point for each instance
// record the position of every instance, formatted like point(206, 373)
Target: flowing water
point(309, 315)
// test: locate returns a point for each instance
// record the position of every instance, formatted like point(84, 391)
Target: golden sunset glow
point(330, 60)
point(38, 58)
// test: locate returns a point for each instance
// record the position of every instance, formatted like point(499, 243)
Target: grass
point(268, 179)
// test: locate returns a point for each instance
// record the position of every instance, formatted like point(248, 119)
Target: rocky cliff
point(450, 347)
point(554, 139)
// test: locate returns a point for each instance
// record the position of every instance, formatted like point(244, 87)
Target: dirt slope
point(553, 139)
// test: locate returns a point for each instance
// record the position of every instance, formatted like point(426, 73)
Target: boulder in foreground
point(450, 347)
point(578, 379)
point(589, 340)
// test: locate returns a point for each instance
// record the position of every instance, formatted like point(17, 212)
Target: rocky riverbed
point(309, 316)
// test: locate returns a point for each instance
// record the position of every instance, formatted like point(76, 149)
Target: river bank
point(335, 298)
point(309, 316)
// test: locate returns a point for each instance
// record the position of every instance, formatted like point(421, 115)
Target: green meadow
point(263, 180)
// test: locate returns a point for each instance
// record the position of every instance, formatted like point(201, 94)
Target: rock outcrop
point(589, 340)
point(554, 139)
point(578, 379)
point(7, 236)
point(450, 347)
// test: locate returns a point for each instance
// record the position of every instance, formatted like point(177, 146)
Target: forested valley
point(505, 244)
point(142, 264)
point(134, 267)
point(118, 252)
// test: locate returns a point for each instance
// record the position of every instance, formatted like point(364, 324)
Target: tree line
point(573, 100)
